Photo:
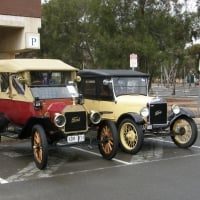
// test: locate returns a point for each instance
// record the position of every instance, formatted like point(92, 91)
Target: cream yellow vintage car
point(122, 96)
point(38, 99)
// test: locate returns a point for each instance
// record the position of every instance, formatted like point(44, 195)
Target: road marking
point(97, 154)
point(3, 181)
point(166, 141)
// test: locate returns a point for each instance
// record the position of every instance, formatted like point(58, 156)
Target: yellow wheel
point(131, 136)
point(39, 146)
point(185, 132)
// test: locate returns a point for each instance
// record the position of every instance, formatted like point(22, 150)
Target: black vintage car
point(122, 96)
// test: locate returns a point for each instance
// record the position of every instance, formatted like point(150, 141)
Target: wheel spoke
point(37, 147)
point(107, 139)
point(129, 135)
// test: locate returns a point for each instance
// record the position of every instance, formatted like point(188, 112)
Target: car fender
point(27, 129)
point(135, 116)
point(183, 112)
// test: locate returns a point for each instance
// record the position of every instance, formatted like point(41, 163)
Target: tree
point(103, 33)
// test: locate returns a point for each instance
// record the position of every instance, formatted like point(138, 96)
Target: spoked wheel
point(186, 130)
point(39, 146)
point(107, 138)
point(131, 136)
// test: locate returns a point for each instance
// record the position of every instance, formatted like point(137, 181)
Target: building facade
point(19, 24)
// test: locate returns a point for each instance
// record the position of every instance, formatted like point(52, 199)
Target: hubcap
point(131, 135)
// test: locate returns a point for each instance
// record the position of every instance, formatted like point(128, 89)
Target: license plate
point(149, 127)
point(76, 138)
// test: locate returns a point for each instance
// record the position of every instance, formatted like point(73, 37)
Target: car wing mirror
point(78, 79)
point(21, 80)
point(106, 82)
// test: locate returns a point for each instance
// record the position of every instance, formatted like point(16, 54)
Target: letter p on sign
point(32, 40)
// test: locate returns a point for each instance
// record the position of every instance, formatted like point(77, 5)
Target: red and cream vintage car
point(39, 100)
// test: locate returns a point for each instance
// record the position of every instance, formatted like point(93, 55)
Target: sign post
point(133, 60)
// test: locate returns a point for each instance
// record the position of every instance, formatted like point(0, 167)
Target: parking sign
point(133, 60)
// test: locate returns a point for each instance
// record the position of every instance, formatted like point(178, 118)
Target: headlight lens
point(175, 109)
point(144, 112)
point(95, 117)
point(59, 120)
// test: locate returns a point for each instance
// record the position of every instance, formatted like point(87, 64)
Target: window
point(17, 85)
point(89, 88)
point(49, 78)
point(4, 81)
point(105, 92)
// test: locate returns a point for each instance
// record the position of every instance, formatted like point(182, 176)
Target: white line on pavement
point(166, 141)
point(3, 181)
point(97, 154)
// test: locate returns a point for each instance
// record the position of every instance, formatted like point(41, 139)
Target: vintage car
point(122, 96)
point(39, 100)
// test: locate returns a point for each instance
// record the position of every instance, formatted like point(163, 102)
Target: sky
point(191, 5)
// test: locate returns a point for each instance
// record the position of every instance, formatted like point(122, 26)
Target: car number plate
point(76, 138)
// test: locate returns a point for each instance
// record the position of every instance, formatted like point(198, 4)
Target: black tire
point(189, 132)
point(39, 146)
point(107, 138)
point(3, 122)
point(131, 136)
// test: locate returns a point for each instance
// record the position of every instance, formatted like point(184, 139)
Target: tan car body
point(121, 105)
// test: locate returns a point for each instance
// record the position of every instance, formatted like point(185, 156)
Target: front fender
point(135, 116)
point(26, 130)
point(183, 112)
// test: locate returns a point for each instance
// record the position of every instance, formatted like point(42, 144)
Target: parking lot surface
point(160, 170)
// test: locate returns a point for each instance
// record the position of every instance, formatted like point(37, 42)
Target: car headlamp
point(59, 120)
point(144, 112)
point(95, 117)
point(175, 109)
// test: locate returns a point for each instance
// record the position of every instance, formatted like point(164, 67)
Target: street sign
point(133, 60)
point(32, 40)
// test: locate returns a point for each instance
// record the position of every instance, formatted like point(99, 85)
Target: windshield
point(55, 92)
point(130, 85)
point(49, 78)
point(52, 84)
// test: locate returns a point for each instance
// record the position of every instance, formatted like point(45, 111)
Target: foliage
point(103, 33)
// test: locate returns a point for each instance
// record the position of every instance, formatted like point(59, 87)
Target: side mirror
point(106, 82)
point(21, 80)
point(78, 79)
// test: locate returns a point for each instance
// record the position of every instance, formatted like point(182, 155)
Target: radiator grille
point(76, 121)
point(158, 113)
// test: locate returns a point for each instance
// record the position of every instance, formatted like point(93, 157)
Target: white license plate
point(149, 127)
point(76, 138)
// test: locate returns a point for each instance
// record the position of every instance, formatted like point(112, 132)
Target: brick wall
point(25, 8)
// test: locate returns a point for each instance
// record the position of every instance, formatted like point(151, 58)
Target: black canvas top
point(110, 73)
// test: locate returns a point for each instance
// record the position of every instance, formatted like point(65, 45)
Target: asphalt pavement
point(160, 171)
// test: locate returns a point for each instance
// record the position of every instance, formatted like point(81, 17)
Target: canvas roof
point(19, 65)
point(111, 73)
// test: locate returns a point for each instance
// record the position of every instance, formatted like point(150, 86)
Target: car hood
point(133, 103)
